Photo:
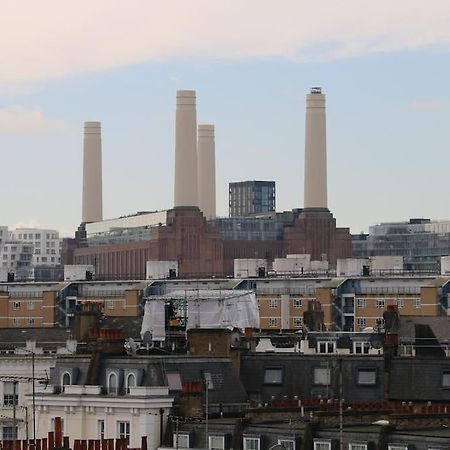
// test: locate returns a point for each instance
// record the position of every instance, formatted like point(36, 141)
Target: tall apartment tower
point(315, 151)
point(92, 205)
point(206, 171)
point(186, 180)
point(251, 197)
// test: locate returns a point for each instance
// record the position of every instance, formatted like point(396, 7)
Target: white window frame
point(297, 322)
point(101, 429)
point(357, 446)
point(319, 445)
point(273, 303)
point(126, 432)
point(329, 345)
point(417, 303)
point(62, 379)
point(297, 303)
point(361, 322)
point(287, 441)
point(256, 440)
point(216, 436)
point(16, 305)
point(110, 303)
point(361, 303)
point(381, 303)
point(400, 302)
point(181, 437)
point(273, 322)
point(397, 447)
point(363, 345)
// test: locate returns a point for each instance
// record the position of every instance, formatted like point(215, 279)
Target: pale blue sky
point(388, 113)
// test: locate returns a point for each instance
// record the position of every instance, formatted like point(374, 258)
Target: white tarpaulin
point(204, 309)
point(154, 320)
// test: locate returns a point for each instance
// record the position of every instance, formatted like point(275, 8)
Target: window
point(31, 322)
point(37, 236)
point(417, 303)
point(273, 376)
point(446, 379)
point(322, 445)
point(273, 303)
point(113, 385)
point(297, 302)
point(361, 302)
point(100, 429)
point(66, 380)
point(30, 305)
point(400, 303)
point(356, 446)
point(8, 393)
point(361, 321)
point(322, 376)
point(131, 381)
point(361, 348)
point(367, 377)
point(273, 322)
point(16, 305)
point(123, 430)
point(216, 442)
point(380, 303)
point(110, 304)
point(9, 433)
point(297, 322)
point(174, 381)
point(288, 444)
point(16, 322)
point(397, 447)
point(251, 443)
point(326, 346)
point(183, 440)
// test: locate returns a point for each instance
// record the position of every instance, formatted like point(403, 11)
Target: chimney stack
point(315, 151)
point(206, 171)
point(186, 150)
point(92, 207)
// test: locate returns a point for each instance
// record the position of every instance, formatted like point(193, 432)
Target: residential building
point(251, 197)
point(421, 242)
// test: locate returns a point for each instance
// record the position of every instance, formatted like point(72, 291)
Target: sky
point(384, 67)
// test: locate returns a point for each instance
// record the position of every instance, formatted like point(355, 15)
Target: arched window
point(112, 384)
point(131, 382)
point(66, 380)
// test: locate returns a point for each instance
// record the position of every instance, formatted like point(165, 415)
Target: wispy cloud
point(427, 105)
point(30, 223)
point(21, 121)
point(50, 38)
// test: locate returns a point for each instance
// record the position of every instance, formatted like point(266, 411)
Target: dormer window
point(66, 380)
point(130, 381)
point(113, 384)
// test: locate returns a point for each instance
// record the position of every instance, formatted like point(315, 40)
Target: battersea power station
point(189, 237)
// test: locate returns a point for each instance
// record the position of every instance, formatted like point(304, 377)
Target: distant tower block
point(315, 151)
point(92, 208)
point(206, 171)
point(186, 150)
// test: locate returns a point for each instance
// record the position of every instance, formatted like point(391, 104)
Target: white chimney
point(92, 205)
point(315, 151)
point(206, 171)
point(186, 150)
